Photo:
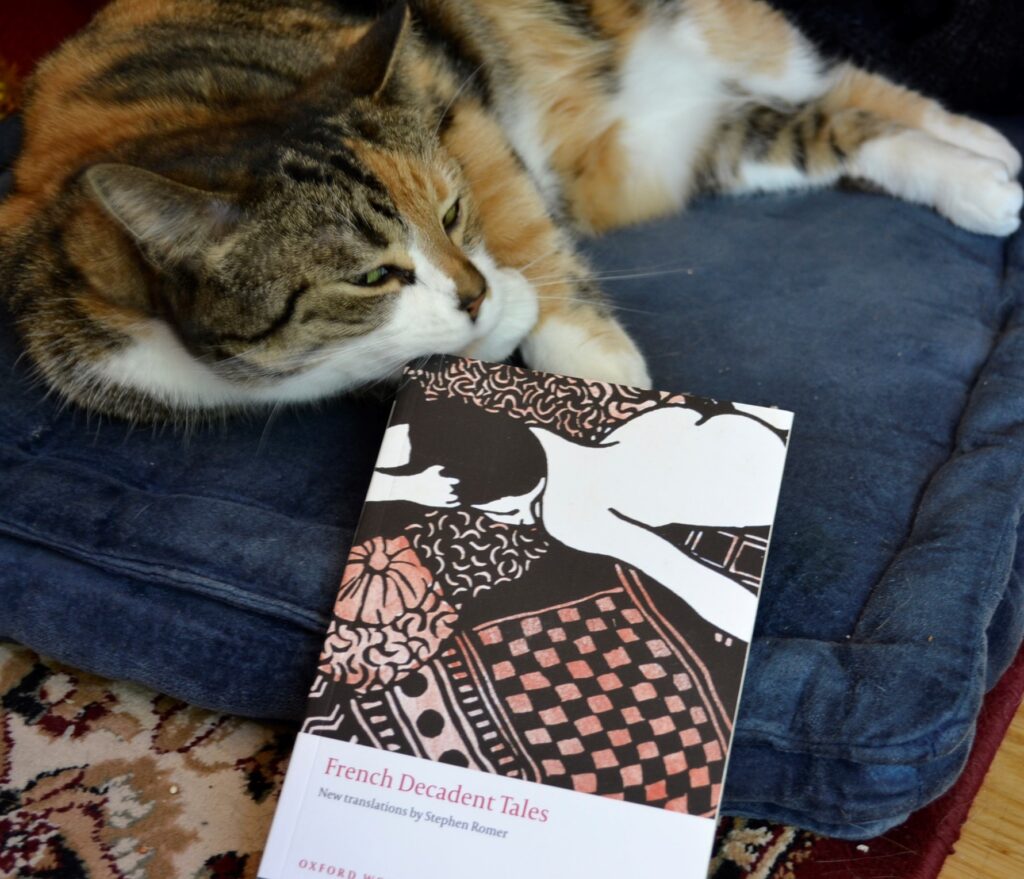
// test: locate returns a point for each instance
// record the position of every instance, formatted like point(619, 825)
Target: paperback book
point(539, 638)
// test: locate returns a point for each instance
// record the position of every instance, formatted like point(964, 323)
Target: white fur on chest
point(520, 120)
point(674, 91)
point(672, 94)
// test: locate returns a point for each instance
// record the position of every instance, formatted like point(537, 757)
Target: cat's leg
point(867, 91)
point(964, 169)
point(811, 123)
point(768, 58)
point(866, 128)
point(575, 332)
point(729, 93)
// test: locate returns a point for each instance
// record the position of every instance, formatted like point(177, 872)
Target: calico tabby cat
point(228, 202)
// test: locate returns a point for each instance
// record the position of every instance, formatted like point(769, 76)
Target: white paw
point(596, 349)
point(973, 191)
point(974, 136)
point(980, 196)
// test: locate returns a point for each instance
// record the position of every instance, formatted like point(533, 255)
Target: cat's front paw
point(980, 196)
point(595, 348)
point(974, 136)
point(974, 191)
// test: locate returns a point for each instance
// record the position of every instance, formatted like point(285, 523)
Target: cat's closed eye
point(451, 217)
point(382, 275)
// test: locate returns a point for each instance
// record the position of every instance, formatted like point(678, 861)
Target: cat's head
point(351, 248)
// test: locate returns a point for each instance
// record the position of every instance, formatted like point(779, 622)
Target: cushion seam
point(177, 577)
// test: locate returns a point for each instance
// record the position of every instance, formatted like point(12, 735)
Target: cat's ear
point(367, 65)
point(173, 221)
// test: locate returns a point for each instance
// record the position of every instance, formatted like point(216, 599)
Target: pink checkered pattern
point(604, 705)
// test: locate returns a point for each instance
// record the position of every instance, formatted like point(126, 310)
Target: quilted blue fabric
point(205, 566)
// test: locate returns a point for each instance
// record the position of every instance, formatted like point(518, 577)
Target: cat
point(222, 204)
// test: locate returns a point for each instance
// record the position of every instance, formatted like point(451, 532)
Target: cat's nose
point(472, 292)
point(471, 303)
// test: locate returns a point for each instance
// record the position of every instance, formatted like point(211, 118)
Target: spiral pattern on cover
point(469, 553)
point(576, 408)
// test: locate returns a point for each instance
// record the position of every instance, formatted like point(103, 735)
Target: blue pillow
point(205, 565)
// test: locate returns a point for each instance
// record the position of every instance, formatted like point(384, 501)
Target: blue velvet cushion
point(205, 566)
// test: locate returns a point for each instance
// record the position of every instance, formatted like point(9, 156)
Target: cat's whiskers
point(611, 306)
point(271, 417)
point(454, 98)
point(561, 282)
point(611, 275)
point(526, 266)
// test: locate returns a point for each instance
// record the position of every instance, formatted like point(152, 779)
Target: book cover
point(539, 638)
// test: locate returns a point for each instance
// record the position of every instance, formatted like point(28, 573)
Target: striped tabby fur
point(223, 203)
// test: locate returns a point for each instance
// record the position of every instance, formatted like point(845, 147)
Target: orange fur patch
point(746, 33)
point(866, 91)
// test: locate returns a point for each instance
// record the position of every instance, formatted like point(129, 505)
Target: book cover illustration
point(553, 580)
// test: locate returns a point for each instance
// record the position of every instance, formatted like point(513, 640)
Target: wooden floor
point(992, 844)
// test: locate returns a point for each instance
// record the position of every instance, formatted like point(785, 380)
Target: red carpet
point(918, 848)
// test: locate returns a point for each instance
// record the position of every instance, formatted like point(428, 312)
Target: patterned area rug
point(105, 779)
point(109, 780)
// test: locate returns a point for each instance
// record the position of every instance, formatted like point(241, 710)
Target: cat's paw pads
point(601, 354)
point(980, 196)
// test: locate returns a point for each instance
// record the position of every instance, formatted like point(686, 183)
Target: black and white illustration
point(555, 580)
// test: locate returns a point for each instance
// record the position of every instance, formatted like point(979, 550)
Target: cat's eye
point(374, 277)
point(382, 275)
point(451, 216)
